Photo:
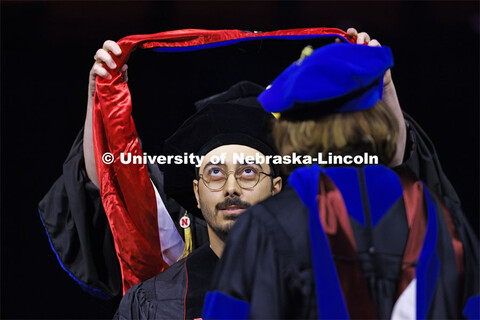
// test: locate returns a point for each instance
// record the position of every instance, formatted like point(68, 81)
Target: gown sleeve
point(421, 158)
point(78, 230)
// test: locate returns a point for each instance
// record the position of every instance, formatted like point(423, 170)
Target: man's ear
point(276, 185)
point(195, 190)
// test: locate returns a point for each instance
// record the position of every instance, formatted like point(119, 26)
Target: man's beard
point(222, 230)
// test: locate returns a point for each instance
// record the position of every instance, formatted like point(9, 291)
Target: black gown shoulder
point(176, 293)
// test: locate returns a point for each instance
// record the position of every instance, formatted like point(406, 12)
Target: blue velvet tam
point(335, 78)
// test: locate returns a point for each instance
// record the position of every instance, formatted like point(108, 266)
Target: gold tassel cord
point(308, 50)
point(187, 249)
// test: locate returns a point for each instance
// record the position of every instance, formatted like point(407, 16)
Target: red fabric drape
point(127, 193)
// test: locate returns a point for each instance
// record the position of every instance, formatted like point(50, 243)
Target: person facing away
point(345, 241)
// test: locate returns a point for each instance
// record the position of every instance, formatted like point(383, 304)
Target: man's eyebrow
point(213, 164)
point(250, 164)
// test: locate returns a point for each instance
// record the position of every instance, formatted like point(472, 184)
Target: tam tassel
point(188, 237)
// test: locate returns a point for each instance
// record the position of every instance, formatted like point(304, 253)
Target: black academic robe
point(267, 271)
point(78, 230)
point(176, 293)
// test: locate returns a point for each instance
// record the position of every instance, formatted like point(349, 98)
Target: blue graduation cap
point(336, 78)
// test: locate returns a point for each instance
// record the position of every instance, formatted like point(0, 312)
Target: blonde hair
point(374, 130)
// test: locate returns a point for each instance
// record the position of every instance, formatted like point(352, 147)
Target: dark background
point(47, 50)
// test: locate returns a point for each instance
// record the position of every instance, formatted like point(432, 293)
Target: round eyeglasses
point(247, 177)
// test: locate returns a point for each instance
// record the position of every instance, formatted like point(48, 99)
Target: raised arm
point(389, 97)
point(103, 62)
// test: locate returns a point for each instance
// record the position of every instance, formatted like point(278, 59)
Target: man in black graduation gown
point(220, 191)
point(361, 241)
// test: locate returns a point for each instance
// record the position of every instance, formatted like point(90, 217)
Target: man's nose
point(232, 187)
